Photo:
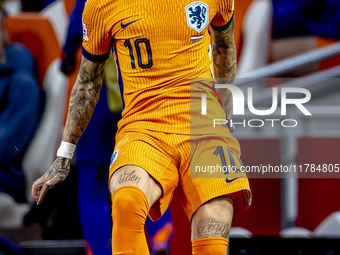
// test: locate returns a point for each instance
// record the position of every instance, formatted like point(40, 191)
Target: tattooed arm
point(84, 97)
point(224, 57)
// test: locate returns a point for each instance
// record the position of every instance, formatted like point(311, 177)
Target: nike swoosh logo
point(128, 24)
point(231, 180)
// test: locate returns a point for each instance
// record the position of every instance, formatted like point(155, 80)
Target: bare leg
point(210, 226)
point(136, 176)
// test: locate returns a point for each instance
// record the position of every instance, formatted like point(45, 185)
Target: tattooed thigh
point(213, 219)
point(136, 176)
point(209, 227)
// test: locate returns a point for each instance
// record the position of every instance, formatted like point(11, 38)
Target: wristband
point(66, 150)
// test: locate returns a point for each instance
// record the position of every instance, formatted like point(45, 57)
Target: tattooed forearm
point(84, 97)
point(224, 56)
point(209, 227)
point(59, 169)
point(128, 177)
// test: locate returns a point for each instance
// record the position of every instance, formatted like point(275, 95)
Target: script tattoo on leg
point(128, 177)
point(209, 227)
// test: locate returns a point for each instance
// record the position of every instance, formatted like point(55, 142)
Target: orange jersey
point(159, 46)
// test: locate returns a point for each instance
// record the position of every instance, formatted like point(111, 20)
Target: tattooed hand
point(57, 172)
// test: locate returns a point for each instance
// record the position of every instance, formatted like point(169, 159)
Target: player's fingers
point(53, 181)
point(35, 188)
point(42, 194)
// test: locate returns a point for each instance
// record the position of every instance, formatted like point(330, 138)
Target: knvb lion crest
point(197, 15)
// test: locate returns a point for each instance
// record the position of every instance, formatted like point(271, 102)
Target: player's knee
point(122, 200)
point(129, 208)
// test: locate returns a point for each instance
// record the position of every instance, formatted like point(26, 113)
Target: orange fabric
point(332, 61)
point(69, 5)
point(129, 210)
point(224, 13)
point(322, 41)
point(88, 250)
point(240, 10)
point(157, 55)
point(171, 160)
point(210, 245)
point(37, 34)
point(163, 234)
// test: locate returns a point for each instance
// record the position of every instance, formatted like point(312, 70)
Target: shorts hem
point(222, 193)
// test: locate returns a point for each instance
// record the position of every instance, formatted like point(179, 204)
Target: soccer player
point(160, 48)
point(94, 151)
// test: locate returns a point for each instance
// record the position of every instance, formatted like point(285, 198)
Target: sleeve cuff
point(95, 58)
point(224, 27)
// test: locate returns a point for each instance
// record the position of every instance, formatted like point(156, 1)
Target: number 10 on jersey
point(137, 44)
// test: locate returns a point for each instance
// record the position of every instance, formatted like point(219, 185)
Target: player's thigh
point(213, 219)
point(136, 176)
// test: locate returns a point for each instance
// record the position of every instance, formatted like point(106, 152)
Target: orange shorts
point(200, 169)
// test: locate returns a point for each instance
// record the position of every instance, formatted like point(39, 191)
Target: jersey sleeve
point(224, 15)
point(96, 35)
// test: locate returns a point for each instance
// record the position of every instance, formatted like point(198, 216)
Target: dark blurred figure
point(306, 17)
point(35, 5)
point(74, 38)
point(19, 112)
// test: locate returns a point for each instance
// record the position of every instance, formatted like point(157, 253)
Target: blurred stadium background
point(278, 43)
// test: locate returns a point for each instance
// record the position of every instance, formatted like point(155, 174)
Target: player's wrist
point(66, 150)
